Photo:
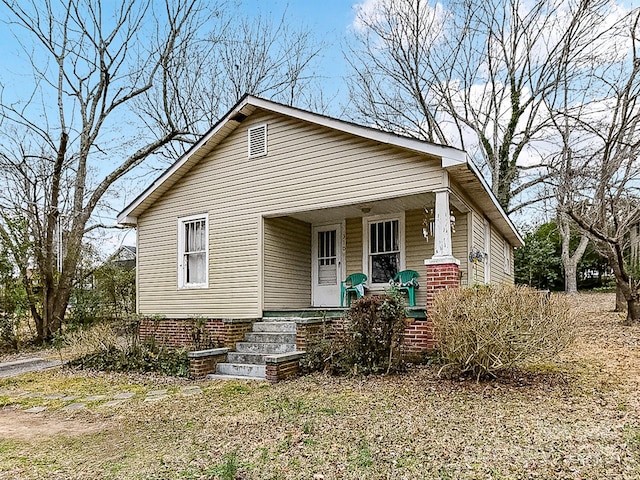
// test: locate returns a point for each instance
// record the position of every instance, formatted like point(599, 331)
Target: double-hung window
point(193, 252)
point(384, 249)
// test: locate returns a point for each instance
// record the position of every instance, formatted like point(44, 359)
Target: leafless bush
point(482, 330)
point(85, 341)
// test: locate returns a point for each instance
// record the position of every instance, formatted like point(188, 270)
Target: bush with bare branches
point(485, 329)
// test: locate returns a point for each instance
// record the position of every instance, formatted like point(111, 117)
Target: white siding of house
point(460, 247)
point(307, 167)
point(476, 274)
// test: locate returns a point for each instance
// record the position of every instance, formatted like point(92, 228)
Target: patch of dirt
point(17, 425)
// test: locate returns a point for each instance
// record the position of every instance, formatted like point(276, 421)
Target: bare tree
point(89, 63)
point(392, 80)
point(605, 200)
point(267, 58)
point(113, 84)
point(257, 55)
point(470, 73)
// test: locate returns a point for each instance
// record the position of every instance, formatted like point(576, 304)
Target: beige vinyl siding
point(287, 263)
point(417, 250)
point(476, 273)
point(233, 283)
point(307, 168)
point(497, 266)
point(353, 249)
point(459, 244)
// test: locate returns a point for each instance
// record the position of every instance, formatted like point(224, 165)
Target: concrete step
point(250, 358)
point(267, 326)
point(262, 337)
point(215, 376)
point(269, 348)
point(241, 370)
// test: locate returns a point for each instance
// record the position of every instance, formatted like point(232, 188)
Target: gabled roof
point(452, 158)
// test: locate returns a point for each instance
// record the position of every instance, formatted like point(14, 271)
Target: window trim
point(366, 263)
point(182, 285)
point(263, 152)
point(507, 257)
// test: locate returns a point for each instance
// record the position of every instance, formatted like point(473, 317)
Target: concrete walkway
point(67, 402)
point(18, 367)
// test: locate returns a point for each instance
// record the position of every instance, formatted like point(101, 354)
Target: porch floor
point(330, 312)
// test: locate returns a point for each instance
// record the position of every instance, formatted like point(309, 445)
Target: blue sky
point(330, 20)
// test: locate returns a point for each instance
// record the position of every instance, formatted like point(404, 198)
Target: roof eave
point(516, 239)
point(128, 216)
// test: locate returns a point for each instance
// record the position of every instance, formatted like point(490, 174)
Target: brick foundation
point(419, 335)
point(419, 339)
point(307, 331)
point(194, 333)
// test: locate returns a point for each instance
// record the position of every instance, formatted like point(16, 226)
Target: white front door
point(327, 265)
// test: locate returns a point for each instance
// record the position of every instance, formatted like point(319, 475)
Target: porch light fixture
point(476, 256)
point(365, 209)
point(429, 223)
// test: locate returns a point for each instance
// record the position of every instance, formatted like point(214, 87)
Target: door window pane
point(327, 264)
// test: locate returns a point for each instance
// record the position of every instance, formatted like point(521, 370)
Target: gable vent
point(258, 141)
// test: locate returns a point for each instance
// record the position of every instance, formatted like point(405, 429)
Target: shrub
point(482, 330)
point(370, 343)
point(9, 336)
point(116, 347)
point(320, 351)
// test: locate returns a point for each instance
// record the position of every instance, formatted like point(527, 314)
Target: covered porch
point(307, 254)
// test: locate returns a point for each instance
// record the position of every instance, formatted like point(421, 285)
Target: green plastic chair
point(406, 280)
point(353, 283)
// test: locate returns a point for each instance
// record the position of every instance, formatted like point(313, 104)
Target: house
point(107, 289)
point(124, 256)
point(274, 206)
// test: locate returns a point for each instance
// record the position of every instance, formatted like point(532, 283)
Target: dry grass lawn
point(578, 418)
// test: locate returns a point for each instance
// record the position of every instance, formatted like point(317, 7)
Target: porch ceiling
point(379, 207)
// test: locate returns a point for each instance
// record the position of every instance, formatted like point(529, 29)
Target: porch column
point(442, 250)
point(443, 269)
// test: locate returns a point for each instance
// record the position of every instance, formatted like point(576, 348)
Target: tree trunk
point(571, 277)
point(621, 302)
point(633, 309)
point(570, 262)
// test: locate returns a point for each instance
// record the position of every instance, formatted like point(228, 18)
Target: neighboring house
point(107, 290)
point(125, 256)
point(274, 206)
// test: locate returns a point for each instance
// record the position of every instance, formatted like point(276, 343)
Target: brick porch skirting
point(194, 333)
